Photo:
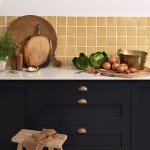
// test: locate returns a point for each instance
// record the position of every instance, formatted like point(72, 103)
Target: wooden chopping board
point(24, 27)
point(141, 73)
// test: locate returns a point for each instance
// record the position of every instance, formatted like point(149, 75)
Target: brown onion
point(106, 65)
point(120, 69)
point(115, 65)
point(125, 66)
point(127, 71)
point(112, 59)
point(133, 70)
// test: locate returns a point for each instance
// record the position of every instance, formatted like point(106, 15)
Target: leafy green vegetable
point(81, 62)
point(97, 59)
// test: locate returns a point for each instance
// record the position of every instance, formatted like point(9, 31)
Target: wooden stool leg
point(19, 147)
point(50, 148)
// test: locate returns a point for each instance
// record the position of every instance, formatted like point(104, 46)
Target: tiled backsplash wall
point(91, 34)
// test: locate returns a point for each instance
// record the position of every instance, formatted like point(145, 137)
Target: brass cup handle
point(83, 89)
point(82, 131)
point(82, 101)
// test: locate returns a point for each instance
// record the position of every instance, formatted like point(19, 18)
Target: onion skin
point(125, 66)
point(106, 65)
point(127, 71)
point(120, 69)
point(112, 59)
point(115, 65)
point(133, 70)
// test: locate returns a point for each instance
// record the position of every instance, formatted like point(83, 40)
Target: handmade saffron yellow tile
point(91, 21)
point(101, 21)
point(44, 17)
point(111, 41)
point(111, 31)
point(111, 51)
point(61, 31)
point(51, 20)
point(10, 19)
point(61, 21)
point(91, 41)
point(81, 31)
point(121, 21)
point(101, 49)
point(101, 41)
point(148, 31)
point(81, 21)
point(148, 41)
point(71, 41)
point(61, 41)
point(141, 41)
point(81, 50)
point(141, 48)
point(69, 61)
point(148, 51)
point(91, 31)
point(141, 31)
point(2, 20)
point(71, 31)
point(81, 41)
point(71, 21)
point(121, 31)
point(61, 51)
point(121, 41)
point(141, 21)
point(91, 50)
point(70, 51)
point(2, 31)
point(131, 41)
point(131, 31)
point(131, 21)
point(148, 21)
point(101, 31)
point(111, 21)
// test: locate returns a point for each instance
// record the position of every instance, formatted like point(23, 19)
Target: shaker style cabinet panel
point(14, 96)
point(140, 115)
point(99, 108)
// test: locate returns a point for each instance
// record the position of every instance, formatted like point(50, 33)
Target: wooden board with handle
point(141, 73)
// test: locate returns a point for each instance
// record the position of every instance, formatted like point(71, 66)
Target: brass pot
point(133, 58)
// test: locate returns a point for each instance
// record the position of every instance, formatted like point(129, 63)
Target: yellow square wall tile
point(141, 31)
point(81, 21)
point(111, 51)
point(131, 48)
point(2, 20)
point(121, 41)
point(51, 20)
point(44, 17)
point(101, 21)
point(101, 41)
point(91, 31)
point(71, 31)
point(111, 41)
point(62, 59)
point(111, 21)
point(121, 31)
point(71, 21)
point(148, 21)
point(121, 21)
point(147, 61)
point(148, 51)
point(91, 50)
point(91, 21)
point(81, 41)
point(81, 50)
point(101, 31)
point(81, 31)
point(61, 21)
point(91, 41)
point(148, 41)
point(131, 31)
point(142, 48)
point(10, 19)
point(141, 21)
point(60, 51)
point(141, 41)
point(61, 31)
point(148, 31)
point(71, 51)
point(131, 41)
point(61, 41)
point(69, 61)
point(2, 31)
point(71, 41)
point(101, 49)
point(131, 21)
point(111, 31)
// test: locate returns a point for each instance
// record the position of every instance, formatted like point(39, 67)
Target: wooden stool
point(57, 142)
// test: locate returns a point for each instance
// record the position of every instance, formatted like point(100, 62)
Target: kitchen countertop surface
point(62, 73)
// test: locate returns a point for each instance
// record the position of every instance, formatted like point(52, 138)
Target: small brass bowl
point(133, 58)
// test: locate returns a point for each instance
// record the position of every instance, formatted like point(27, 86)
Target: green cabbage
point(81, 62)
point(97, 59)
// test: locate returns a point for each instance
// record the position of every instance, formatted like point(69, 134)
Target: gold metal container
point(133, 58)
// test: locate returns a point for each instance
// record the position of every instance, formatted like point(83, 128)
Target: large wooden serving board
point(141, 73)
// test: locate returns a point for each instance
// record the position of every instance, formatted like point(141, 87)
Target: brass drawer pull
point(83, 88)
point(82, 131)
point(82, 101)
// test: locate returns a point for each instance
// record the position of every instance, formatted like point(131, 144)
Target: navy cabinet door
point(140, 115)
point(14, 97)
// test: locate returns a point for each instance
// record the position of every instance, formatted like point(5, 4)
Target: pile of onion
point(112, 64)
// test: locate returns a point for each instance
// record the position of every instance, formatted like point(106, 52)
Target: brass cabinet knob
point(83, 89)
point(82, 101)
point(82, 131)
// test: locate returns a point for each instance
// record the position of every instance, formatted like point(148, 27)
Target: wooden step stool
point(57, 142)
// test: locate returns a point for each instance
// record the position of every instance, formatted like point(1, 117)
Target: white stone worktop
point(62, 73)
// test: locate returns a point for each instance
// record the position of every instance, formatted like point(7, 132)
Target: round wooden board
point(24, 27)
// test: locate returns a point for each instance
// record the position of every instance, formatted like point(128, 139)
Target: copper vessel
point(133, 58)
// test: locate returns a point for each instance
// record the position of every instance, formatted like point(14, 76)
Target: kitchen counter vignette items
point(23, 32)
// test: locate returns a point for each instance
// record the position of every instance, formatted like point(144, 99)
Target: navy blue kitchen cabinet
point(96, 115)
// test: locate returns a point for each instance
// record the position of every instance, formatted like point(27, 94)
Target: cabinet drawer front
point(96, 137)
point(97, 88)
